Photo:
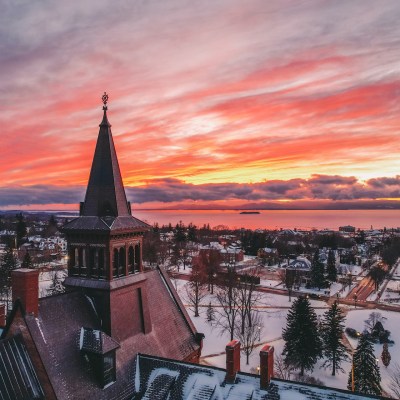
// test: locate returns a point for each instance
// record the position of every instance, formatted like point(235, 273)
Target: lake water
point(275, 219)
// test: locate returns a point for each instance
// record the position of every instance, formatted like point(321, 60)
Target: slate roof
point(105, 207)
point(56, 334)
point(106, 224)
point(160, 378)
point(18, 378)
point(96, 341)
point(105, 194)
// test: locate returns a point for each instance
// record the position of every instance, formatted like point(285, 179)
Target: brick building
point(82, 344)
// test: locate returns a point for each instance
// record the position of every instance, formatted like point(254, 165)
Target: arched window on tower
point(115, 263)
point(102, 272)
point(80, 258)
point(74, 261)
point(131, 260)
point(93, 263)
point(137, 258)
point(73, 255)
point(122, 259)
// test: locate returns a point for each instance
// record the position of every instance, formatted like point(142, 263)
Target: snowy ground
point(273, 309)
point(391, 295)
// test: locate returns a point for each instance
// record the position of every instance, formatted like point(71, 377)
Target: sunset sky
point(220, 103)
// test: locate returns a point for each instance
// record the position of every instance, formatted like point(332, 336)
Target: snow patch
point(137, 376)
point(40, 330)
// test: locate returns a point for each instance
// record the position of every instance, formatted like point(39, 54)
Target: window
point(115, 263)
point(137, 258)
point(121, 267)
point(102, 272)
point(109, 375)
point(93, 261)
point(131, 260)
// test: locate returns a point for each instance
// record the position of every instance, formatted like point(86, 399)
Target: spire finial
point(104, 99)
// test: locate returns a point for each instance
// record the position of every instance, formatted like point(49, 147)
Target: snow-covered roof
point(160, 378)
point(300, 263)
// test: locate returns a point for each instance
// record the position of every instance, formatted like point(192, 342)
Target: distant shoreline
point(245, 210)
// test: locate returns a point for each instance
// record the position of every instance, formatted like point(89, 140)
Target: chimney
point(2, 315)
point(266, 365)
point(25, 286)
point(232, 360)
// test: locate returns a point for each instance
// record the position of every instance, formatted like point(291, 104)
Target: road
point(362, 291)
point(364, 288)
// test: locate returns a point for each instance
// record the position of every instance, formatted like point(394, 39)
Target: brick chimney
point(2, 315)
point(266, 365)
point(25, 286)
point(232, 360)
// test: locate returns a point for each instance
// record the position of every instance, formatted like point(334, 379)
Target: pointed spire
point(105, 194)
point(104, 99)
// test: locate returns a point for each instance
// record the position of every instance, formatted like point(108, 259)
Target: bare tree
point(394, 383)
point(287, 277)
point(373, 318)
point(282, 370)
point(196, 289)
point(213, 268)
point(210, 261)
point(227, 314)
point(251, 334)
point(162, 252)
point(247, 297)
point(184, 255)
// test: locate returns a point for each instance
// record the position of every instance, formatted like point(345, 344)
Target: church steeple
point(105, 194)
point(105, 241)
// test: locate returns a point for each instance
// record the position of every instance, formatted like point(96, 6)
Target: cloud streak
point(254, 98)
point(172, 192)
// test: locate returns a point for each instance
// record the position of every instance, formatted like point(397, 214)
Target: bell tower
point(105, 241)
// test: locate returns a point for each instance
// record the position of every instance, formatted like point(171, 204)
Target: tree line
point(307, 340)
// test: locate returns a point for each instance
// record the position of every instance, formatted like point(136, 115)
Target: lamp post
point(259, 333)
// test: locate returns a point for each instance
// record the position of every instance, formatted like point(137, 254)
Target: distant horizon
point(66, 210)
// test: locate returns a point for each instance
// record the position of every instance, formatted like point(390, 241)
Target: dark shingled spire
point(105, 206)
point(105, 194)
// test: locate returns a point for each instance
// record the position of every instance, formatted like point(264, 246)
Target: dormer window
point(99, 350)
point(109, 369)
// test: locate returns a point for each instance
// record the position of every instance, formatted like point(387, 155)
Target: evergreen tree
point(332, 328)
point(180, 235)
point(21, 228)
point(8, 263)
point(386, 357)
point(331, 267)
point(27, 261)
point(51, 228)
point(365, 370)
point(317, 271)
point(192, 233)
point(56, 285)
point(303, 344)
